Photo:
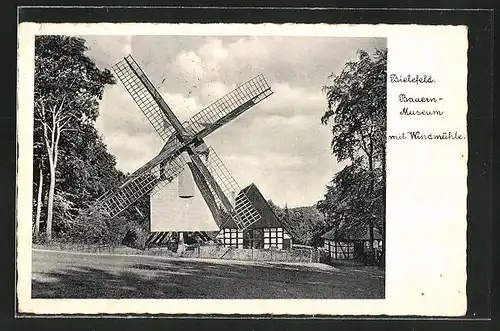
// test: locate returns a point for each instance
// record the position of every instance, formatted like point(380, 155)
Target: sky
point(279, 144)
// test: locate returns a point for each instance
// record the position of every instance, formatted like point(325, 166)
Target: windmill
point(185, 149)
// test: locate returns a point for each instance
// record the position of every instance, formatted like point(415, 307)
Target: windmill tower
point(185, 154)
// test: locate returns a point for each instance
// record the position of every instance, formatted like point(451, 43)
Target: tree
point(87, 170)
point(306, 224)
point(91, 226)
point(356, 102)
point(68, 86)
point(357, 105)
point(349, 202)
point(39, 194)
point(40, 167)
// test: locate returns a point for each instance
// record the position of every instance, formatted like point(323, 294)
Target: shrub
point(94, 226)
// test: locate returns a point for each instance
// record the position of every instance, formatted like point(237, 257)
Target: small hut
point(268, 232)
point(351, 244)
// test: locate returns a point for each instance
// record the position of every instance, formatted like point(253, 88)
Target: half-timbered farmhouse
point(350, 244)
point(268, 232)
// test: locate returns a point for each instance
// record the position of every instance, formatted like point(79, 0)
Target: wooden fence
point(296, 254)
point(309, 254)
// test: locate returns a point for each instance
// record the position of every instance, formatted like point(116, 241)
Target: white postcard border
point(426, 181)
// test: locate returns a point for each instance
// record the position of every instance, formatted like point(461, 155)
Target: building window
point(340, 250)
point(273, 237)
point(233, 238)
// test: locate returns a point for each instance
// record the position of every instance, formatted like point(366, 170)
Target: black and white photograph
point(242, 169)
point(209, 167)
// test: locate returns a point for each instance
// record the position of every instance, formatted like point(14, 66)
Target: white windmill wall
point(169, 212)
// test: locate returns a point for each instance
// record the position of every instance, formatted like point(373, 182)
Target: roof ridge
point(285, 225)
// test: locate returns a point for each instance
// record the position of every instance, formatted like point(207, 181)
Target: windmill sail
point(243, 212)
point(186, 137)
point(207, 193)
point(169, 152)
point(139, 184)
point(143, 97)
point(202, 123)
point(228, 107)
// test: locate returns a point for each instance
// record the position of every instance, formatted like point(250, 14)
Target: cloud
point(277, 177)
point(190, 63)
point(183, 107)
point(286, 121)
point(279, 144)
point(288, 101)
point(248, 48)
point(203, 61)
point(213, 53)
point(125, 130)
point(214, 90)
point(276, 160)
point(127, 46)
point(106, 51)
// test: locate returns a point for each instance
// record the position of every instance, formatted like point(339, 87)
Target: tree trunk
point(50, 204)
point(52, 149)
point(372, 184)
point(39, 204)
point(382, 255)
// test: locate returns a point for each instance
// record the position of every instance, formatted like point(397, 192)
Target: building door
point(359, 251)
point(253, 238)
point(286, 244)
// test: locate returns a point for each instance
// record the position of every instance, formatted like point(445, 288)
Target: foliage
point(357, 105)
point(64, 212)
point(94, 226)
point(77, 168)
point(356, 101)
point(306, 223)
point(64, 72)
point(68, 86)
point(135, 237)
point(348, 202)
point(87, 170)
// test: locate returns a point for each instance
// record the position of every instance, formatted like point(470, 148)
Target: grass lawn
point(78, 275)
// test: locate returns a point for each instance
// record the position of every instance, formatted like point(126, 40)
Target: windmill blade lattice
point(142, 96)
point(186, 136)
point(228, 107)
point(205, 121)
point(244, 214)
point(202, 123)
point(169, 151)
point(139, 184)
